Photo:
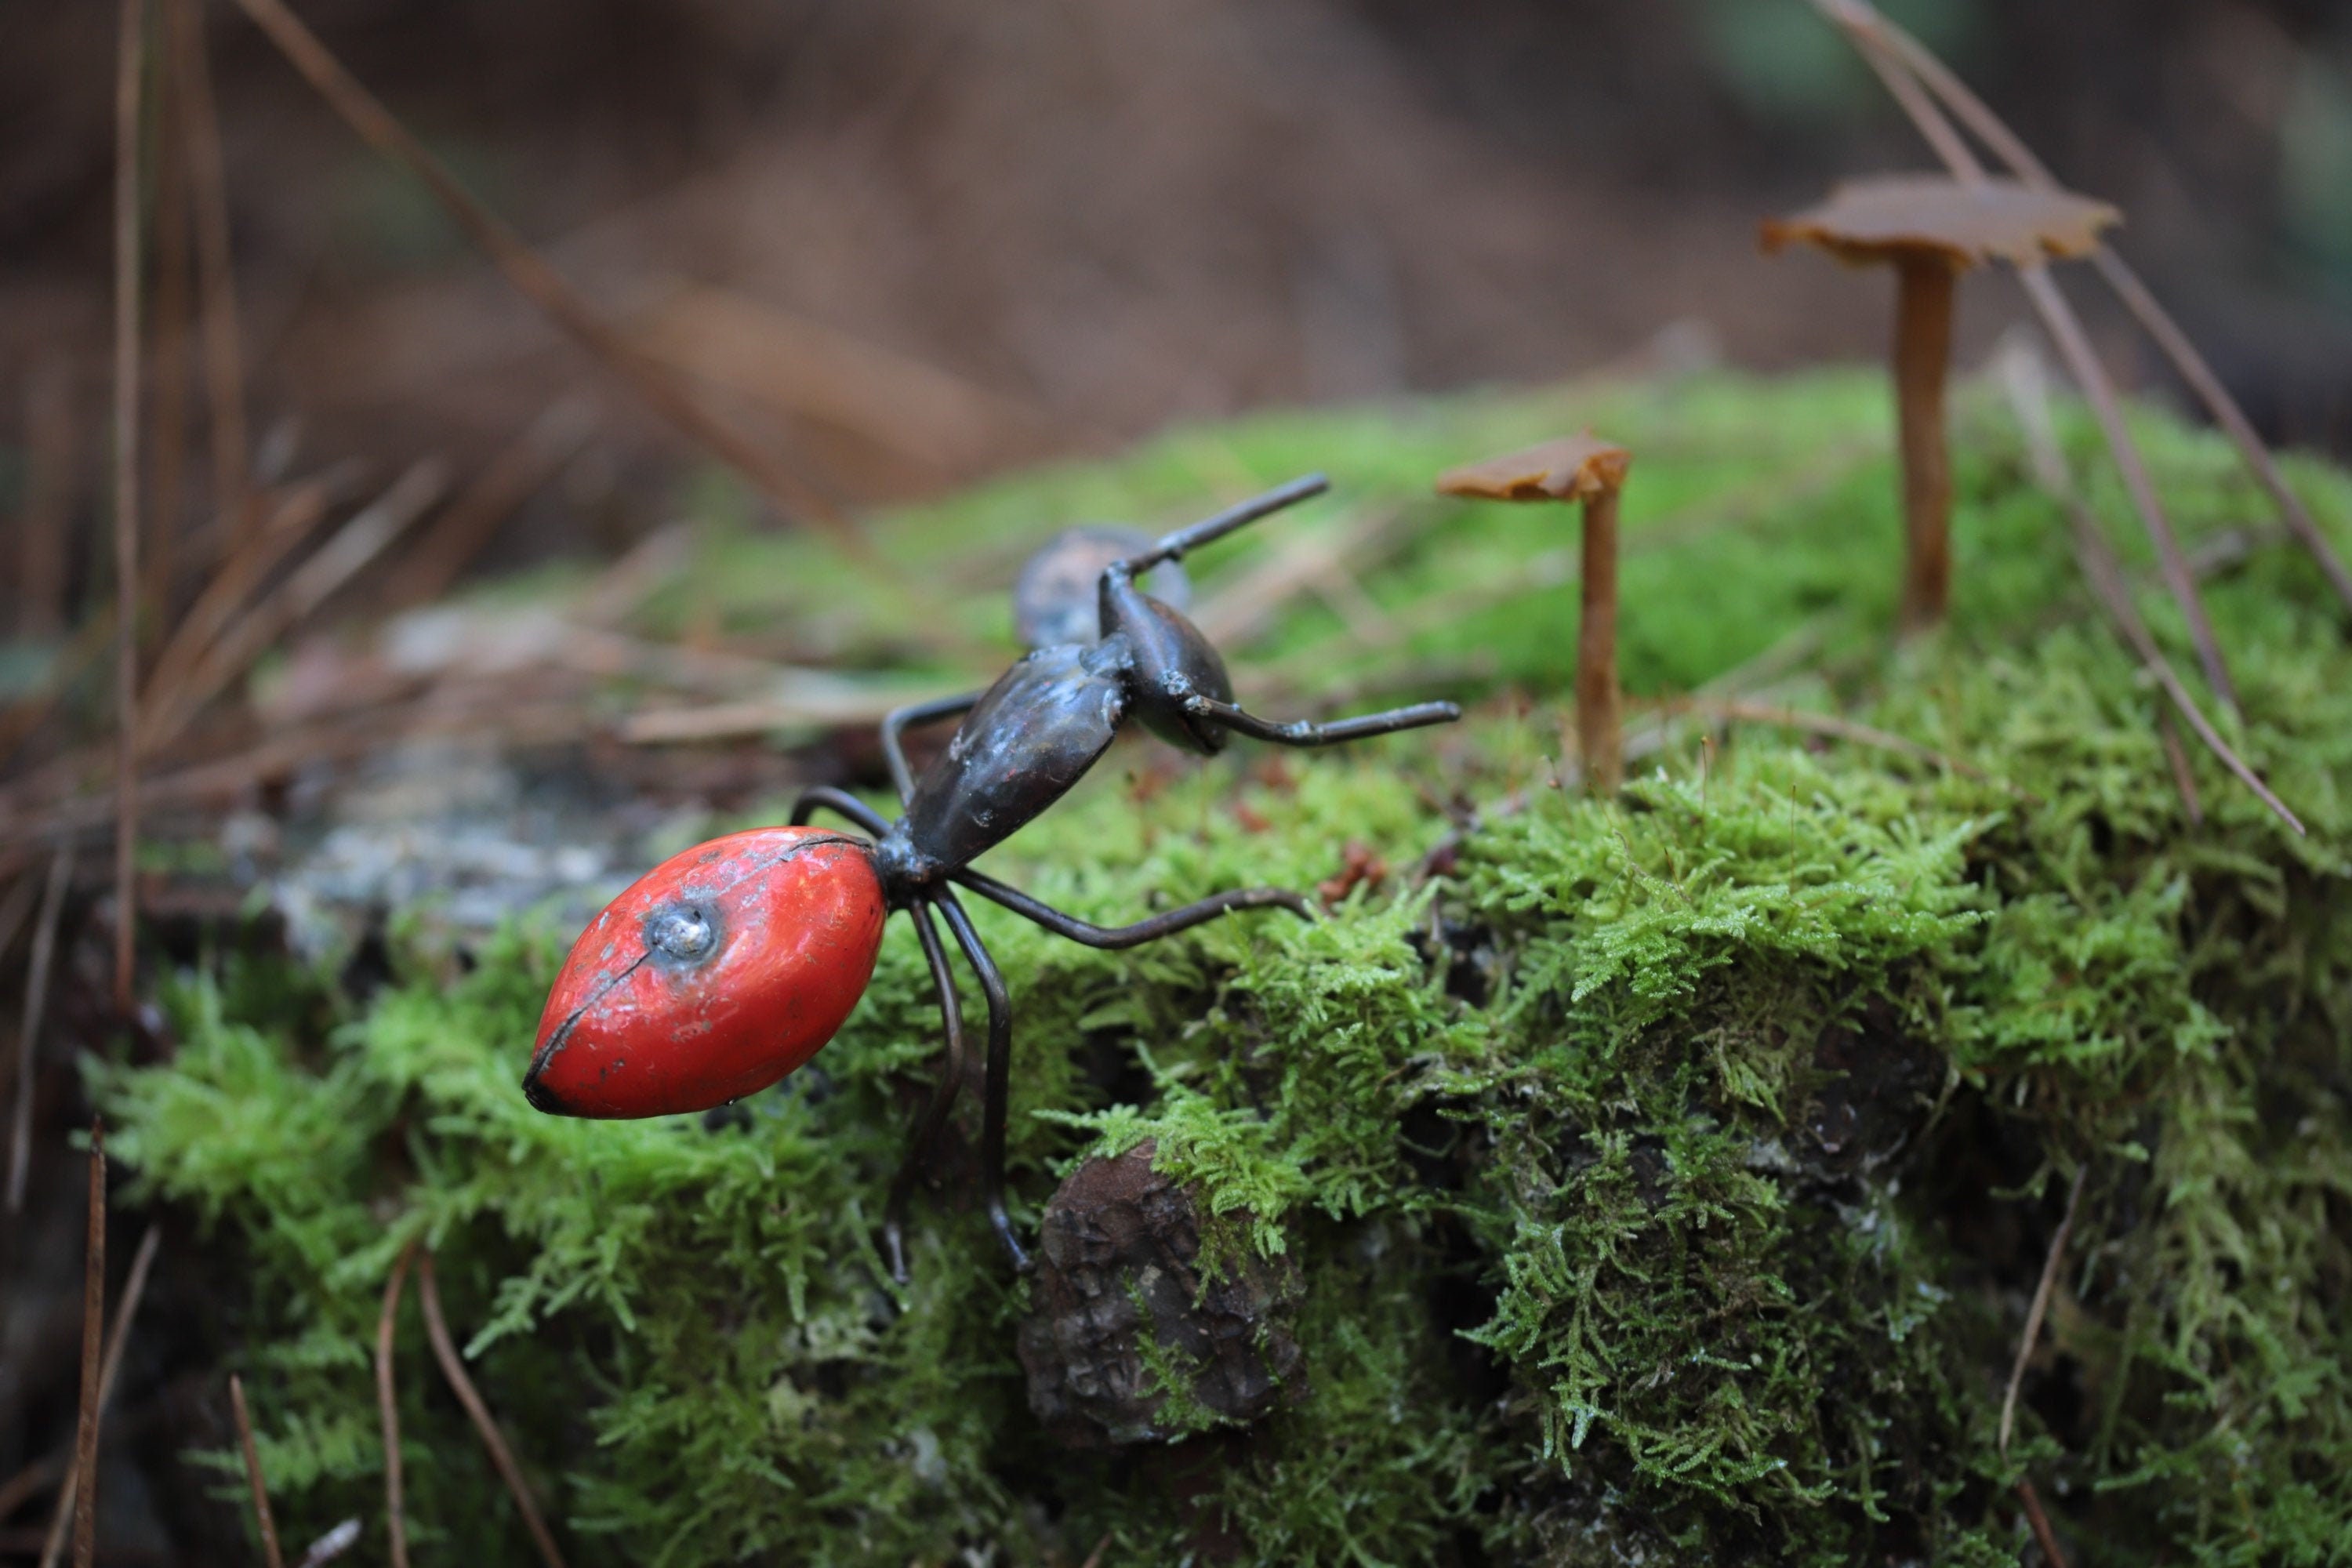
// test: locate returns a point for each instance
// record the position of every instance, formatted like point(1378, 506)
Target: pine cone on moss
point(1125, 1341)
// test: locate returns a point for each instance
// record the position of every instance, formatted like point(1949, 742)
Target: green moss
point(1665, 1178)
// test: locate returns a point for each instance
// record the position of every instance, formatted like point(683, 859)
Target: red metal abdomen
point(717, 973)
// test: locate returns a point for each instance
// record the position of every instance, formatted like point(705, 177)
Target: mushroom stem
point(1599, 738)
point(1923, 354)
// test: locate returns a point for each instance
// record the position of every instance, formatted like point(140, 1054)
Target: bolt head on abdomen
point(715, 974)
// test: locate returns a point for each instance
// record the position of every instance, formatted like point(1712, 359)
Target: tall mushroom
point(1932, 229)
point(1578, 468)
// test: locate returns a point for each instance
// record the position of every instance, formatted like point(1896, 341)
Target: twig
point(2065, 329)
point(453, 1367)
point(269, 1526)
point(2034, 1314)
point(93, 1321)
point(224, 359)
point(1094, 1558)
point(129, 77)
point(2011, 149)
point(2030, 400)
point(2052, 1556)
point(133, 1290)
point(37, 997)
point(387, 1400)
point(534, 278)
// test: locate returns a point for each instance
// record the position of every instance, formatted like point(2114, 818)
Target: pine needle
point(387, 1399)
point(453, 1367)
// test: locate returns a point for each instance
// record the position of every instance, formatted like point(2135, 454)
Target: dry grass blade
point(17, 908)
point(289, 521)
point(534, 278)
point(224, 358)
point(2160, 325)
point(129, 78)
point(93, 1354)
point(453, 1367)
point(2011, 149)
point(387, 1402)
point(359, 541)
point(2083, 365)
point(135, 1289)
point(37, 997)
point(2052, 1556)
point(2176, 757)
point(95, 635)
point(2030, 399)
point(808, 698)
point(268, 1525)
point(1244, 607)
point(1837, 729)
point(806, 369)
point(476, 709)
point(2039, 1308)
point(27, 1484)
point(466, 526)
point(2065, 329)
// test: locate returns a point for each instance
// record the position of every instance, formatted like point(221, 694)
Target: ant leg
point(1302, 732)
point(1165, 924)
point(894, 725)
point(922, 1143)
point(840, 801)
point(1174, 546)
point(1000, 1063)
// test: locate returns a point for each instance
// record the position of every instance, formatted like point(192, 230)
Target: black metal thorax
point(1022, 743)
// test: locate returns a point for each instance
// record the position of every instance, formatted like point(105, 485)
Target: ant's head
point(1168, 661)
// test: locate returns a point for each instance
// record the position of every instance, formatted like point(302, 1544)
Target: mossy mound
point(1664, 1180)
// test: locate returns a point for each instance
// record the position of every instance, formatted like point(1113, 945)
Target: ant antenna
point(1174, 546)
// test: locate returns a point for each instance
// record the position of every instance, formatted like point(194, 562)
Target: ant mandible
point(728, 966)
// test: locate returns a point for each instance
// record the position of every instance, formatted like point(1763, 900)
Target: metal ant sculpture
point(728, 966)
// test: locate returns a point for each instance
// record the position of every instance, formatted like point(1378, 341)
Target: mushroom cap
point(1930, 216)
point(1570, 467)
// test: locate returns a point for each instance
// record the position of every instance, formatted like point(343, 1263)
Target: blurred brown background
point(909, 241)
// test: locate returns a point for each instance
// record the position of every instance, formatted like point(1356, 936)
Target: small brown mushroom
point(1932, 229)
point(1580, 469)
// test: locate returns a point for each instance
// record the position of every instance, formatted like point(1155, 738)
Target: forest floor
point(1661, 1179)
